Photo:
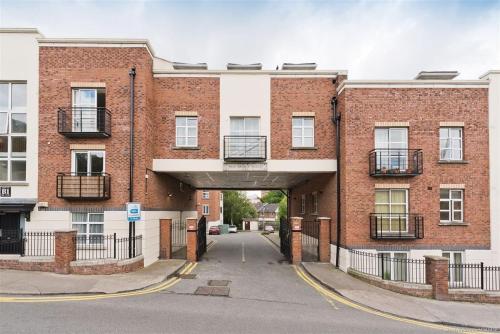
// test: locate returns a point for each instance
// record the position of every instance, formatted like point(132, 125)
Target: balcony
point(245, 148)
point(396, 162)
point(83, 187)
point(84, 122)
point(396, 226)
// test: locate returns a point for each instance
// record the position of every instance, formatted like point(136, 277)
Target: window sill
point(21, 184)
point(193, 148)
point(304, 148)
point(453, 162)
point(453, 224)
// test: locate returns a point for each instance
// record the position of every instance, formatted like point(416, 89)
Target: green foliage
point(282, 209)
point(274, 196)
point(236, 207)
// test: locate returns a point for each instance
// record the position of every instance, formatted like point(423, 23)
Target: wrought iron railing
point(90, 122)
point(396, 226)
point(98, 247)
point(245, 148)
point(285, 237)
point(201, 239)
point(94, 186)
point(396, 162)
point(388, 268)
point(473, 276)
point(310, 240)
point(27, 243)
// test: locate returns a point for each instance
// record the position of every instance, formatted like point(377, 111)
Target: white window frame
point(186, 128)
point(205, 194)
point(302, 128)
point(303, 204)
point(87, 233)
point(205, 209)
point(314, 202)
point(89, 152)
point(451, 206)
point(448, 143)
point(454, 276)
point(10, 135)
point(394, 265)
point(388, 152)
point(390, 213)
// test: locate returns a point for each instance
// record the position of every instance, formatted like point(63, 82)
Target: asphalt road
point(265, 296)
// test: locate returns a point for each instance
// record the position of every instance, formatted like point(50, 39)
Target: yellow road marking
point(325, 292)
point(64, 298)
point(211, 245)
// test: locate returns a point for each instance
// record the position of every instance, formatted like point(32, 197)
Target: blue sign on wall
point(133, 211)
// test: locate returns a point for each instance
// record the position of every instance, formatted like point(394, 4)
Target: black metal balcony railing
point(245, 148)
point(84, 186)
point(396, 226)
point(81, 122)
point(396, 162)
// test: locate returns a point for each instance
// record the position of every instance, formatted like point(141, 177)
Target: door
point(11, 240)
point(245, 140)
point(247, 226)
point(84, 110)
point(391, 145)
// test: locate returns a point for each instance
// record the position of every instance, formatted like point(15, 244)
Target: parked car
point(214, 230)
point(269, 228)
point(233, 229)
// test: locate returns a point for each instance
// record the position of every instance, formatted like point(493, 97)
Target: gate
point(11, 241)
point(310, 240)
point(201, 247)
point(178, 235)
point(285, 236)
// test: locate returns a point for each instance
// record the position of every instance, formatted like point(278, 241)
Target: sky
point(370, 39)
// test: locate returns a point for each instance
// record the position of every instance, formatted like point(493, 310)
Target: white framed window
point(391, 145)
point(85, 105)
point(205, 210)
point(455, 273)
point(451, 208)
point(89, 227)
point(303, 204)
point(205, 194)
point(186, 131)
point(394, 265)
point(451, 143)
point(314, 203)
point(302, 131)
point(13, 131)
point(88, 162)
point(391, 207)
point(245, 141)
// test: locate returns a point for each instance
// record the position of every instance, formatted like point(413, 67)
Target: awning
point(17, 204)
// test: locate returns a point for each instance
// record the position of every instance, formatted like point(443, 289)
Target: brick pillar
point(166, 238)
point(65, 250)
point(192, 239)
point(324, 239)
point(436, 274)
point(296, 225)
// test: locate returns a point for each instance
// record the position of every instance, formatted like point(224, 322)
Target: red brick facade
point(213, 202)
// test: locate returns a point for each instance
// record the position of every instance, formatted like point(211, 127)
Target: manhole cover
point(212, 291)
point(215, 282)
point(203, 290)
point(186, 276)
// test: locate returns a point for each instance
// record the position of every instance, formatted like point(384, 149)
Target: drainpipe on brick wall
point(131, 225)
point(336, 121)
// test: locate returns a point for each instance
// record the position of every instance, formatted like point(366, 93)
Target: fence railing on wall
point(39, 244)
point(388, 268)
point(473, 276)
point(99, 247)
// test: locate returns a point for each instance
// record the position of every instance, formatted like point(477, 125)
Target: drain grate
point(218, 282)
point(222, 291)
point(186, 276)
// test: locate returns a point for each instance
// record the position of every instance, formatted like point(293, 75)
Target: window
point(303, 131)
point(88, 162)
point(391, 145)
point(248, 129)
point(314, 202)
point(455, 273)
point(205, 195)
point(395, 268)
point(13, 132)
point(391, 207)
point(205, 209)
point(450, 143)
point(303, 204)
point(451, 206)
point(89, 227)
point(186, 131)
point(86, 102)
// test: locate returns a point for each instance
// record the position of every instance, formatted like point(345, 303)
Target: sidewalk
point(34, 282)
point(456, 313)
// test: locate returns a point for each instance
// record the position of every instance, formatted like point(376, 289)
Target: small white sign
point(133, 211)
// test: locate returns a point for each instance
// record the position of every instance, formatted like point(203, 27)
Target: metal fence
point(27, 243)
point(388, 268)
point(285, 237)
point(473, 276)
point(310, 240)
point(97, 247)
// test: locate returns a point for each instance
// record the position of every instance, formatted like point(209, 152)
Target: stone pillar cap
point(436, 257)
point(324, 218)
point(65, 230)
point(296, 218)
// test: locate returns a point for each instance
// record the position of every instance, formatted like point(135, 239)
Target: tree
point(236, 207)
point(274, 196)
point(283, 208)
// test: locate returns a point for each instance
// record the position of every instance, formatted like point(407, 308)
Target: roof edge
point(99, 41)
point(417, 83)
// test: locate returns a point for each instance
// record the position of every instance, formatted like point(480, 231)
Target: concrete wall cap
point(435, 257)
point(296, 218)
point(323, 218)
point(65, 230)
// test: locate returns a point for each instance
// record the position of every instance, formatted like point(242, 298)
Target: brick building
point(210, 203)
point(414, 158)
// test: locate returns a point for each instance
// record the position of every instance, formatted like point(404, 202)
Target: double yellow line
point(70, 298)
point(334, 296)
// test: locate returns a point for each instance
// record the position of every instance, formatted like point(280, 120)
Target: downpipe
point(336, 120)
point(131, 225)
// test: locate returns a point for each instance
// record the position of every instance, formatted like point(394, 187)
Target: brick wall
point(213, 203)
